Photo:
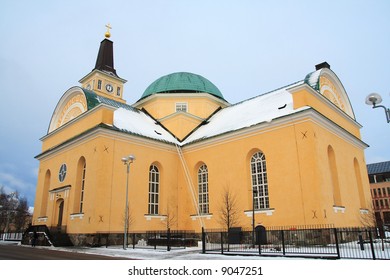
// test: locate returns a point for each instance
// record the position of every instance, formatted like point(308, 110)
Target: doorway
point(60, 209)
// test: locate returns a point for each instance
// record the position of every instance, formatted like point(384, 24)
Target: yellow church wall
point(305, 96)
point(298, 176)
point(229, 167)
point(349, 213)
point(162, 105)
point(104, 195)
point(181, 124)
point(85, 121)
point(300, 185)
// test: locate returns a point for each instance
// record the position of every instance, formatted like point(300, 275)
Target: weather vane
point(108, 34)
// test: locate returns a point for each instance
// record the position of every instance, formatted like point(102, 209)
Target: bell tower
point(103, 79)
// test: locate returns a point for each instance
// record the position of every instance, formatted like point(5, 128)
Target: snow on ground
point(191, 253)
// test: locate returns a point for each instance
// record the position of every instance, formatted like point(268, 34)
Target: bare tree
point(13, 211)
point(369, 219)
point(228, 211)
point(171, 219)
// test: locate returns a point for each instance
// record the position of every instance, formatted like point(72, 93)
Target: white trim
point(104, 132)
point(178, 103)
point(340, 209)
point(268, 212)
point(77, 215)
point(42, 219)
point(327, 102)
point(309, 114)
point(79, 117)
point(150, 98)
point(107, 74)
point(178, 113)
point(364, 211)
point(207, 216)
point(65, 98)
point(149, 217)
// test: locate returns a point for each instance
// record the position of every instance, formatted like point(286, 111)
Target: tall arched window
point(359, 184)
point(80, 186)
point(203, 189)
point(154, 186)
point(45, 194)
point(259, 181)
point(334, 177)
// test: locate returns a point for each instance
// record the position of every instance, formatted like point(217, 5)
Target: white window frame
point(82, 186)
point(181, 107)
point(154, 188)
point(259, 181)
point(203, 190)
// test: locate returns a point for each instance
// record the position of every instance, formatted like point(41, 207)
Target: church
point(182, 154)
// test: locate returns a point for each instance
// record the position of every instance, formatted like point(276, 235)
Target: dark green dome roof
point(182, 82)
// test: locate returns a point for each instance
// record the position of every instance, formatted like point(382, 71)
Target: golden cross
point(108, 34)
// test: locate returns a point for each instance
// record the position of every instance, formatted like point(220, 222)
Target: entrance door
point(60, 213)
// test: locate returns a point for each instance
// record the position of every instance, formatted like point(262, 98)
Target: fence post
point(203, 241)
point(336, 239)
point(283, 245)
point(258, 240)
point(372, 244)
point(133, 240)
point(221, 242)
point(168, 239)
point(155, 240)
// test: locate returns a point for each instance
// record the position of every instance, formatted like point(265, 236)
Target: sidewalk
point(191, 253)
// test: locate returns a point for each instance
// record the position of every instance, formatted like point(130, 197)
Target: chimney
point(322, 65)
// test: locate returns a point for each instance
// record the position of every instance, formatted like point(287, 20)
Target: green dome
point(182, 82)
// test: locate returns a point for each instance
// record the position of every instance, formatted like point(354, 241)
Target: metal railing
point(355, 243)
point(161, 239)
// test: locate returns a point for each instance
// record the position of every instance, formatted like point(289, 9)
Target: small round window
point(62, 172)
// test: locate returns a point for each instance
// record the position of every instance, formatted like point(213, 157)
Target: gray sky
point(244, 47)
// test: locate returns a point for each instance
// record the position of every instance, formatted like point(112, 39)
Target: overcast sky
point(244, 47)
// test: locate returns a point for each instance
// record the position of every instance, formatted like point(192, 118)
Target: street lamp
point(254, 191)
point(127, 161)
point(374, 99)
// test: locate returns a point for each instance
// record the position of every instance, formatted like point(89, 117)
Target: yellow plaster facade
point(303, 164)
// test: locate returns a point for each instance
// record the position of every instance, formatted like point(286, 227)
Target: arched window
point(359, 184)
point(203, 189)
point(80, 186)
point(334, 177)
point(259, 181)
point(45, 194)
point(154, 186)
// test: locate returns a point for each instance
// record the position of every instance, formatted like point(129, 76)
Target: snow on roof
point(263, 108)
point(137, 122)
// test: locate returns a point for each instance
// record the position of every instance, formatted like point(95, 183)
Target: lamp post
point(374, 99)
point(253, 216)
point(127, 161)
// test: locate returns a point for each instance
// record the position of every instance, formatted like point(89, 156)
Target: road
point(14, 252)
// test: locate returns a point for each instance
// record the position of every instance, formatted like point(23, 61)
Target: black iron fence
point(326, 242)
point(162, 239)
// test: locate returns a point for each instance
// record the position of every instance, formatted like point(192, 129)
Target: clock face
point(109, 88)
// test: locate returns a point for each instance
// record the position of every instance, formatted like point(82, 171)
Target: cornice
point(309, 114)
point(326, 101)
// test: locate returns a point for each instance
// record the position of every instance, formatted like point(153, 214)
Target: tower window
point(118, 91)
point(99, 84)
point(181, 107)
